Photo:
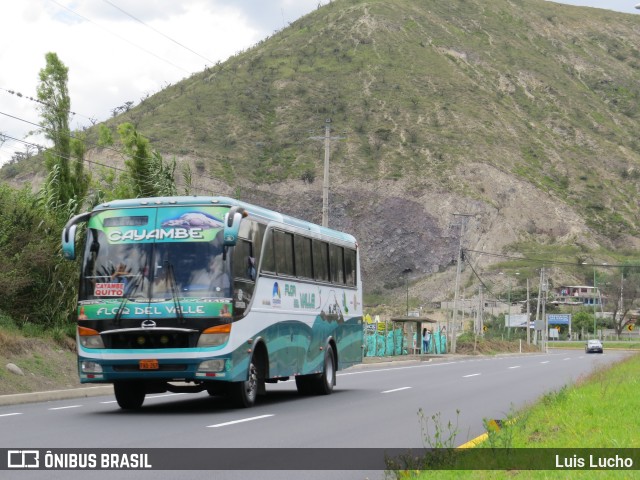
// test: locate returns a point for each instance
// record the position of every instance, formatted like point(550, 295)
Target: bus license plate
point(149, 365)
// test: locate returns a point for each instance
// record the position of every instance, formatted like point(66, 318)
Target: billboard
point(559, 319)
point(515, 320)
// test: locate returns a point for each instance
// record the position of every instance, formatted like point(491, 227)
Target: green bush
point(38, 286)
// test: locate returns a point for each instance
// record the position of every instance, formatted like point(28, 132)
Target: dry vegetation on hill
point(523, 113)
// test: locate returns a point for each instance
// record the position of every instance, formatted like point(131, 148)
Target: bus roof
point(215, 201)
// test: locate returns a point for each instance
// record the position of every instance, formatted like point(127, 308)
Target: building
point(577, 295)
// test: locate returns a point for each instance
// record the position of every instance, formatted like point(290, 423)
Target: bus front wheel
point(129, 395)
point(244, 393)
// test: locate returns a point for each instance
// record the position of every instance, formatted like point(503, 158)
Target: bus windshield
point(155, 270)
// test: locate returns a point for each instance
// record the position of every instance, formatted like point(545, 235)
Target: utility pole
point(528, 316)
point(621, 299)
point(544, 314)
point(458, 269)
point(406, 272)
point(325, 182)
point(595, 289)
point(480, 325)
point(537, 323)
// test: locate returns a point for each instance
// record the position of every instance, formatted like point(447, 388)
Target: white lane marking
point(471, 375)
point(64, 408)
point(568, 358)
point(9, 414)
point(150, 397)
point(166, 395)
point(239, 421)
point(546, 361)
point(515, 366)
point(396, 390)
point(431, 365)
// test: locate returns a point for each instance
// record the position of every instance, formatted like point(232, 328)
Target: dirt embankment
point(41, 364)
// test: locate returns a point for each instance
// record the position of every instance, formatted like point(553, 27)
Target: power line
point(95, 145)
point(22, 141)
point(26, 97)
point(120, 37)
point(158, 31)
point(19, 119)
point(546, 261)
point(120, 152)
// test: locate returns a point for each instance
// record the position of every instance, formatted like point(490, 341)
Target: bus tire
point(325, 382)
point(319, 383)
point(244, 393)
point(129, 395)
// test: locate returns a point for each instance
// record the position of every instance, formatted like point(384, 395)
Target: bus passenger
point(120, 274)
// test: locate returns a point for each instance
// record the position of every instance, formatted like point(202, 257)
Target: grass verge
point(601, 411)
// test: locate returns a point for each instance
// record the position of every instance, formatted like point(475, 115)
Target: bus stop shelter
point(412, 334)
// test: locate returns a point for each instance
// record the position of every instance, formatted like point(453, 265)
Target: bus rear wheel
point(324, 384)
point(129, 395)
point(319, 383)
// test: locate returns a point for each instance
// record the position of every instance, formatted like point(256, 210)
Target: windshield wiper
point(174, 291)
point(130, 287)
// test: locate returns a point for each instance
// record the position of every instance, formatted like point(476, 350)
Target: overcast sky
point(121, 50)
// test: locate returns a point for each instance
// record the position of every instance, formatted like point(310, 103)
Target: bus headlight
point(212, 366)
point(90, 338)
point(215, 336)
point(90, 367)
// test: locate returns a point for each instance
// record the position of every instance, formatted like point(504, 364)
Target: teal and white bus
point(187, 294)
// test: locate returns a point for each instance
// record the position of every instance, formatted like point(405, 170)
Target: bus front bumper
point(92, 370)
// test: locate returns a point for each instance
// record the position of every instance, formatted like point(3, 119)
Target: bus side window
point(243, 261)
point(320, 261)
point(336, 262)
point(350, 267)
point(268, 260)
point(284, 253)
point(244, 276)
point(304, 265)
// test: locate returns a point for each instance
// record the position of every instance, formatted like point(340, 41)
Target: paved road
point(374, 406)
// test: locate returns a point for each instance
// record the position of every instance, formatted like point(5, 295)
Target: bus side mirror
point(232, 221)
point(69, 242)
point(69, 235)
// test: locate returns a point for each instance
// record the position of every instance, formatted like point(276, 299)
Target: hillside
point(522, 113)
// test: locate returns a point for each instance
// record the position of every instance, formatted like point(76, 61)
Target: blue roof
point(213, 201)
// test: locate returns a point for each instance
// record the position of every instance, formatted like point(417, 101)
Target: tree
point(622, 292)
point(147, 174)
point(65, 187)
point(105, 138)
point(582, 321)
point(150, 175)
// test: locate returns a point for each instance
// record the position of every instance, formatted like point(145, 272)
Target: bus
point(193, 294)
